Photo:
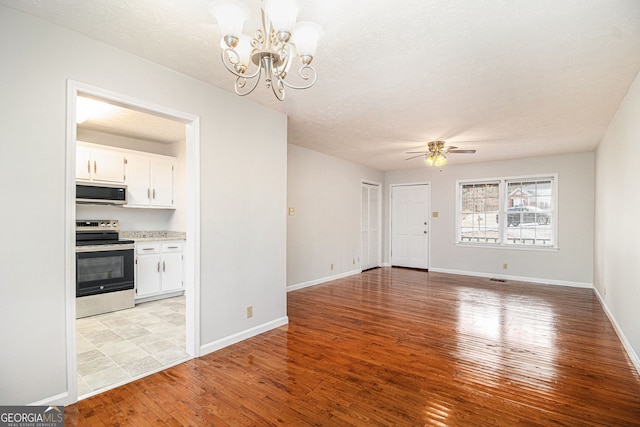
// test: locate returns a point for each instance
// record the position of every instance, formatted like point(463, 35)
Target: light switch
point(434, 214)
point(292, 212)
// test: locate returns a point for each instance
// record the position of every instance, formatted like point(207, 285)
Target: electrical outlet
point(505, 266)
point(249, 311)
point(332, 266)
point(354, 261)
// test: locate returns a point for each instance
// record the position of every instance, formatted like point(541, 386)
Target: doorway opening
point(179, 304)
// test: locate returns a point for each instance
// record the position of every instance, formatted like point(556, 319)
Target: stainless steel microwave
point(104, 194)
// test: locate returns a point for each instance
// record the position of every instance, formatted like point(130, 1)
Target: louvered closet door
point(370, 253)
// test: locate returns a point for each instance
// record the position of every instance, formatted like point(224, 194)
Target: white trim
point(192, 249)
point(57, 400)
point(242, 335)
point(322, 280)
point(623, 339)
point(192, 244)
point(516, 278)
point(70, 231)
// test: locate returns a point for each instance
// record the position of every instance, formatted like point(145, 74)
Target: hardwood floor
point(400, 347)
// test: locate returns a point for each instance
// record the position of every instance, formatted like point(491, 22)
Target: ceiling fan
point(436, 153)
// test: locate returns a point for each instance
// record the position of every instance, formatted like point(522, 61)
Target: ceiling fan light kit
point(271, 50)
point(435, 154)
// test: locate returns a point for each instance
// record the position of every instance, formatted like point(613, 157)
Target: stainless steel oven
point(104, 268)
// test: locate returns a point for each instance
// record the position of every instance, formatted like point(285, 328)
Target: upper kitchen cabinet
point(98, 164)
point(150, 180)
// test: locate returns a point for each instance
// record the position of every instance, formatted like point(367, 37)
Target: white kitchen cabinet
point(97, 164)
point(150, 180)
point(159, 268)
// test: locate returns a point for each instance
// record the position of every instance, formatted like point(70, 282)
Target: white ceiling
point(509, 78)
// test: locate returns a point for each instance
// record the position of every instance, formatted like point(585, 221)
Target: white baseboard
point(243, 335)
point(625, 342)
point(517, 278)
point(57, 400)
point(322, 280)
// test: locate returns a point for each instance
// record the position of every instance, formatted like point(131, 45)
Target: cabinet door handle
point(154, 194)
point(158, 266)
point(148, 193)
point(88, 166)
point(95, 166)
point(164, 267)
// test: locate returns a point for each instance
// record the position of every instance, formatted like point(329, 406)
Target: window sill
point(509, 247)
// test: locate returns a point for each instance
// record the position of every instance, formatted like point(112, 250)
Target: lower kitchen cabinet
point(159, 268)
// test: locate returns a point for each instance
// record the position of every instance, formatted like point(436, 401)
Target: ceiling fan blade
point(416, 152)
point(462, 151)
point(449, 148)
point(419, 155)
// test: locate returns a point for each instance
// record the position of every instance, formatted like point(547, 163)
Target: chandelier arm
point(230, 66)
point(281, 71)
point(279, 91)
point(241, 81)
point(303, 74)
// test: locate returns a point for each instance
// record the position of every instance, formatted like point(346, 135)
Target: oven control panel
point(98, 225)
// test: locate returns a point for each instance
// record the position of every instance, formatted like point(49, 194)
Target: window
point(480, 204)
point(508, 211)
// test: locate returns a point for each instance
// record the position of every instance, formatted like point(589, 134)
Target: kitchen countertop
point(151, 236)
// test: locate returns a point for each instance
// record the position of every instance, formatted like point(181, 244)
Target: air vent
point(497, 280)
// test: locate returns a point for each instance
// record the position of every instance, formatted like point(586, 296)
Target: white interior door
point(370, 253)
point(410, 226)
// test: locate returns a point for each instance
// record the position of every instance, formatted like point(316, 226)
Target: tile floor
point(113, 347)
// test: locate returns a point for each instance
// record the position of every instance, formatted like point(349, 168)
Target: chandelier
point(271, 50)
point(435, 156)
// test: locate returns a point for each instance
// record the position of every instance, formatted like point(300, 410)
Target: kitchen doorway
point(179, 308)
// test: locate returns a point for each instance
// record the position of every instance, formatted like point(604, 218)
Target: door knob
point(425, 231)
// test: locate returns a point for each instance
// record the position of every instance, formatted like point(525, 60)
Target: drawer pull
point(148, 249)
point(172, 247)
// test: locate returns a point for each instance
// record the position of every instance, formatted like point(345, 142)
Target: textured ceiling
point(509, 78)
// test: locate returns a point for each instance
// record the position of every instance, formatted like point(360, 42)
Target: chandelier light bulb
point(305, 37)
point(282, 14)
point(429, 160)
point(230, 15)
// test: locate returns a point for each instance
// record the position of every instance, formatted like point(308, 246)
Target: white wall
point(326, 195)
point(571, 264)
point(243, 196)
point(617, 238)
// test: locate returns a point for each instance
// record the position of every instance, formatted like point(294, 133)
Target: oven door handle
point(103, 248)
